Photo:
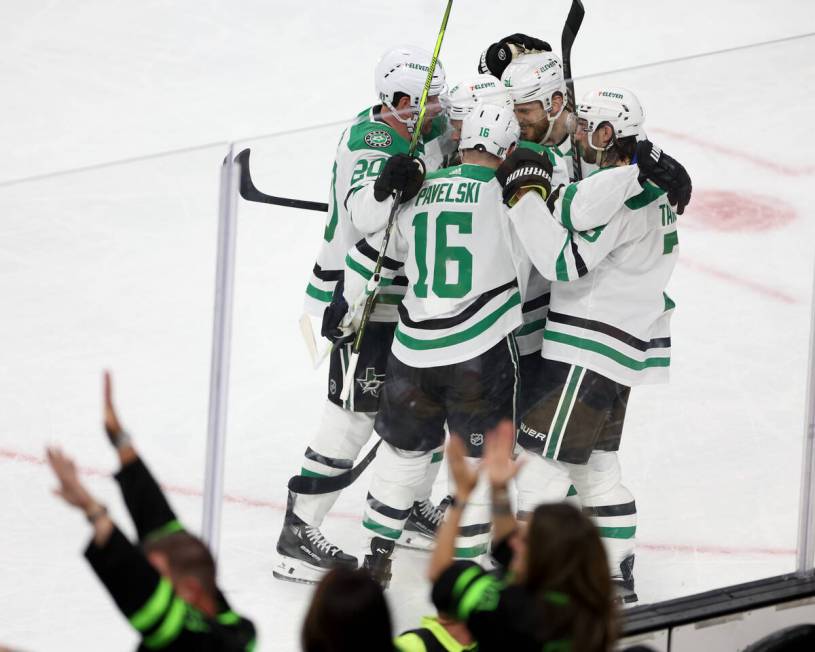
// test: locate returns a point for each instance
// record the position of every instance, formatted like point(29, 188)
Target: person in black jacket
point(553, 591)
point(166, 589)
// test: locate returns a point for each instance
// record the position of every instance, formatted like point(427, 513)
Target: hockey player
point(377, 134)
point(538, 90)
point(465, 95)
point(453, 359)
point(609, 252)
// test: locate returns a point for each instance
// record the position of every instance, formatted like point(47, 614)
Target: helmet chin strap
point(552, 120)
point(410, 123)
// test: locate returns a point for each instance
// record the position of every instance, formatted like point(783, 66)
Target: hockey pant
point(599, 489)
point(338, 441)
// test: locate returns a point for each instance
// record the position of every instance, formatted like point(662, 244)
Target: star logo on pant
point(371, 382)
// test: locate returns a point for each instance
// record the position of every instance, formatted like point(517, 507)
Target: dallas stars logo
point(378, 138)
point(372, 381)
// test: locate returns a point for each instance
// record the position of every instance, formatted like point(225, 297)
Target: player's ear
point(557, 102)
point(511, 149)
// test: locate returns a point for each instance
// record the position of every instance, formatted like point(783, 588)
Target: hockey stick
point(250, 193)
point(301, 484)
point(397, 199)
point(570, 29)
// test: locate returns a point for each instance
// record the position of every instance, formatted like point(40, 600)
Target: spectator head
point(187, 562)
point(560, 553)
point(348, 613)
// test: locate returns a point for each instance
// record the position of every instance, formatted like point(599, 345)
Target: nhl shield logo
point(476, 439)
point(378, 138)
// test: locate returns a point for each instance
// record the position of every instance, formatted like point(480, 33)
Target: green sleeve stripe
point(561, 268)
point(474, 594)
point(153, 609)
point(365, 273)
point(228, 618)
point(464, 579)
point(168, 528)
point(320, 295)
point(648, 194)
point(409, 642)
point(170, 628)
point(566, 206)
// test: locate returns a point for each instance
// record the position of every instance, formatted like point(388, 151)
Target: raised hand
point(463, 473)
point(497, 461)
point(70, 488)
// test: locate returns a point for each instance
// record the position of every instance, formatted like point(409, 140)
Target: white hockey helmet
point(535, 77)
point(404, 70)
point(480, 88)
point(490, 128)
point(617, 106)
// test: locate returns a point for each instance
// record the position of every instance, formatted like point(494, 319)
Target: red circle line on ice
point(724, 210)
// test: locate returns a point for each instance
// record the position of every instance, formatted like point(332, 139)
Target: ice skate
point(421, 525)
point(305, 554)
point(624, 582)
point(378, 563)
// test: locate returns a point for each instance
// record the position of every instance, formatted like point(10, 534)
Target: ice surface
point(114, 267)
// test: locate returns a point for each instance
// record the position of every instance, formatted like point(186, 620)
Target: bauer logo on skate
point(378, 138)
point(371, 382)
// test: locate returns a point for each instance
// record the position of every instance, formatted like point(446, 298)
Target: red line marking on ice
point(764, 290)
point(766, 164)
point(26, 458)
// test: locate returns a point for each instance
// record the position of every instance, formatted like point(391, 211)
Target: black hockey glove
point(499, 55)
point(333, 315)
point(401, 172)
point(666, 172)
point(524, 169)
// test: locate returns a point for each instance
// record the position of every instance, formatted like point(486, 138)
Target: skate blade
point(289, 569)
point(415, 541)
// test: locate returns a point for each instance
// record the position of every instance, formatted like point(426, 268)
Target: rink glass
point(115, 267)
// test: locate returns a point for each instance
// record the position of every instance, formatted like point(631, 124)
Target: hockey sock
point(610, 504)
point(336, 444)
point(541, 480)
point(474, 530)
point(396, 479)
point(436, 457)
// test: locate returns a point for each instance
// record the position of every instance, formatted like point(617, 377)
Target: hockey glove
point(664, 171)
point(524, 169)
point(499, 55)
point(333, 316)
point(401, 172)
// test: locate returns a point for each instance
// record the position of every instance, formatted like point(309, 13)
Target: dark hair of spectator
point(187, 556)
point(565, 555)
point(348, 613)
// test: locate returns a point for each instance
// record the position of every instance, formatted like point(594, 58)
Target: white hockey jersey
point(362, 151)
point(529, 336)
point(453, 242)
point(609, 251)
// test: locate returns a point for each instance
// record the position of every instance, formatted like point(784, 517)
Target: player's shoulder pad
point(377, 137)
point(540, 149)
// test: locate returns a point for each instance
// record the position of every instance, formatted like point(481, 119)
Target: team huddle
point(523, 279)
